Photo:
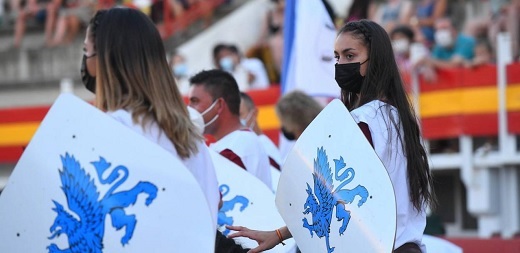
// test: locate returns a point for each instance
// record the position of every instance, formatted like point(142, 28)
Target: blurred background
point(458, 58)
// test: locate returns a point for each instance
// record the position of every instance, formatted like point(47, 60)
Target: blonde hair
point(298, 109)
point(133, 74)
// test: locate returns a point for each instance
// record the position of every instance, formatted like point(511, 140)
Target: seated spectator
point(70, 18)
point(426, 13)
point(36, 9)
point(296, 110)
point(451, 48)
point(393, 13)
point(408, 53)
point(249, 73)
point(271, 37)
point(180, 72)
point(483, 55)
point(402, 38)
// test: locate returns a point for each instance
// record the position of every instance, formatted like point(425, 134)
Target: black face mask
point(88, 80)
point(288, 135)
point(348, 77)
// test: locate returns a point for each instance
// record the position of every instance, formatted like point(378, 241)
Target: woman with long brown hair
point(125, 65)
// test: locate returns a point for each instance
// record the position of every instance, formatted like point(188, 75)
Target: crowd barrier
point(461, 102)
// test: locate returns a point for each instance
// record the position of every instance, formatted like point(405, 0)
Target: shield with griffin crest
point(247, 201)
point(87, 183)
point(335, 194)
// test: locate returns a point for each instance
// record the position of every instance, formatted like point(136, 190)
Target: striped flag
point(308, 62)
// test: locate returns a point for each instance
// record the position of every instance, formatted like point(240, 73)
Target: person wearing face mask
point(372, 90)
point(402, 38)
point(146, 101)
point(451, 48)
point(407, 59)
point(296, 110)
point(248, 115)
point(215, 94)
point(250, 73)
point(180, 72)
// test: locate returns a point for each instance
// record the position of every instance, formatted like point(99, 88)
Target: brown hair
point(133, 74)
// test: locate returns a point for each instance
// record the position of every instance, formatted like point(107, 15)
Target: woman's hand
point(266, 239)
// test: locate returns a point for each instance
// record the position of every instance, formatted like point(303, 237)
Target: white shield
point(86, 183)
point(334, 193)
point(247, 202)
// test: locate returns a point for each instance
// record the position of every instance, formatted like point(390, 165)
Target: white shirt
point(246, 145)
point(257, 68)
point(200, 164)
point(271, 149)
point(410, 223)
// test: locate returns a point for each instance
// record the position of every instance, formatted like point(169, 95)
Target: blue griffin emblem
point(321, 203)
point(85, 227)
point(229, 205)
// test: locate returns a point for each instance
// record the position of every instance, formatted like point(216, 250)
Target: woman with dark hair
point(124, 64)
point(372, 90)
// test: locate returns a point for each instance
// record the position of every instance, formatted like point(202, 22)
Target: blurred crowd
point(61, 20)
point(426, 34)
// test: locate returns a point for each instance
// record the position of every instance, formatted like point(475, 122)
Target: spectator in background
point(392, 13)
point(403, 44)
point(215, 94)
point(360, 9)
point(483, 54)
point(36, 9)
point(505, 18)
point(249, 73)
point(180, 71)
point(402, 38)
point(296, 110)
point(271, 40)
point(426, 12)
point(451, 48)
point(71, 16)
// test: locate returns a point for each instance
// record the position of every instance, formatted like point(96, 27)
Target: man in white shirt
point(249, 73)
point(215, 94)
point(248, 117)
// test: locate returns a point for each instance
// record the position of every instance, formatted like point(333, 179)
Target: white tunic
point(377, 115)
point(271, 149)
point(246, 145)
point(200, 164)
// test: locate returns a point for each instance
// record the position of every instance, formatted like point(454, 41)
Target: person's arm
point(438, 12)
point(406, 12)
point(454, 62)
point(266, 239)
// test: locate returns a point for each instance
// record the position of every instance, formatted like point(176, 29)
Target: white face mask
point(401, 46)
point(180, 70)
point(206, 111)
point(248, 117)
point(227, 64)
point(443, 38)
point(197, 119)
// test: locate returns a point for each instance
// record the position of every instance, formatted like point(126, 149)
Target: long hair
point(132, 74)
point(383, 82)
